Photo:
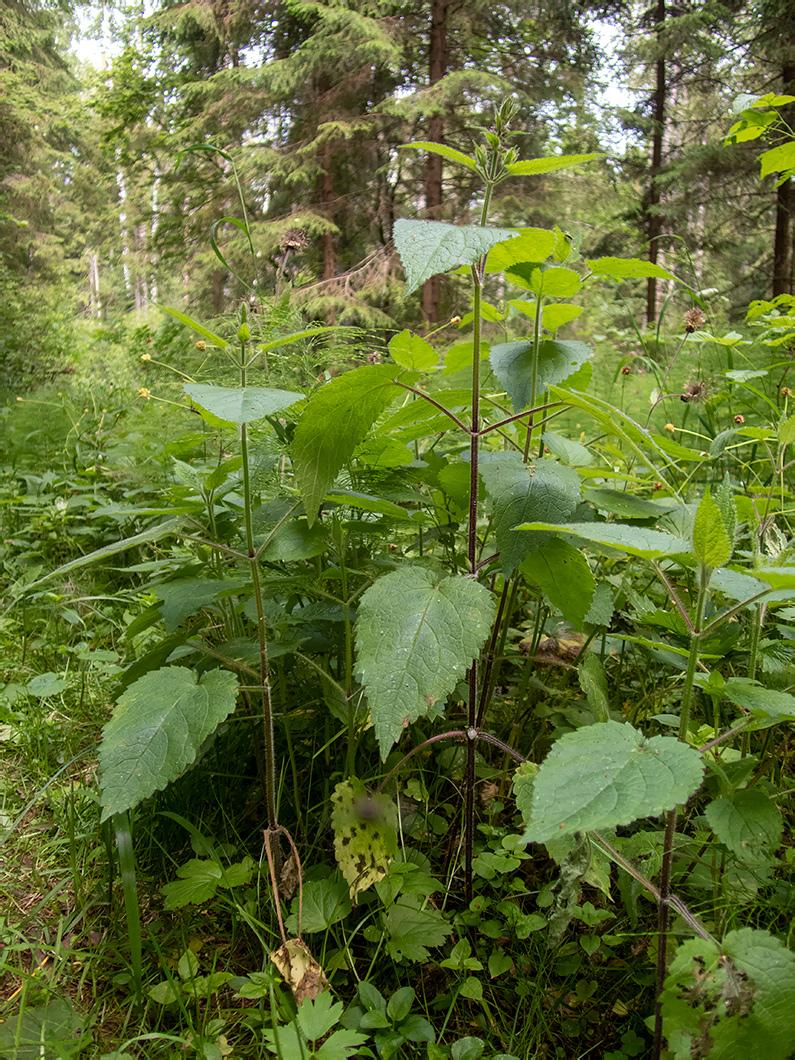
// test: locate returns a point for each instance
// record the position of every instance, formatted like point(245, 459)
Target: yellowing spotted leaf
point(299, 969)
point(365, 834)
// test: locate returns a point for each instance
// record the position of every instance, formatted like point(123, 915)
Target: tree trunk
point(437, 68)
point(654, 221)
point(782, 260)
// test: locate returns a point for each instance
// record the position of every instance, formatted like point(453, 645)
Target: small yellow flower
point(201, 346)
point(785, 390)
point(19, 399)
point(146, 356)
point(144, 393)
point(670, 428)
point(455, 320)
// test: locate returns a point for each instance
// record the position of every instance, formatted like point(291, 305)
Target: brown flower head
point(694, 392)
point(739, 419)
point(694, 318)
point(626, 370)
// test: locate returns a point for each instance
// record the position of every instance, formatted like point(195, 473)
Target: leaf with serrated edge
point(337, 418)
point(635, 540)
point(449, 153)
point(365, 834)
point(748, 822)
point(549, 491)
point(430, 247)
point(711, 543)
point(564, 576)
point(767, 706)
point(609, 774)
point(723, 1000)
point(627, 269)
point(156, 730)
point(531, 244)
point(412, 929)
point(239, 405)
point(558, 359)
point(198, 882)
point(413, 351)
point(416, 635)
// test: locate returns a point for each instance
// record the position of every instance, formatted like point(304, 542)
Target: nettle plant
point(368, 547)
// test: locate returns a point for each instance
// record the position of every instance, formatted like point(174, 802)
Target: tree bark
point(782, 259)
point(654, 222)
point(437, 67)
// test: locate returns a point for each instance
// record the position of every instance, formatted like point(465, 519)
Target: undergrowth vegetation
point(429, 698)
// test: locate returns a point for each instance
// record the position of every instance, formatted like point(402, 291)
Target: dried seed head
point(739, 419)
point(626, 370)
point(694, 318)
point(694, 392)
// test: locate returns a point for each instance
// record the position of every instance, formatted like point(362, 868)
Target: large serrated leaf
point(411, 929)
point(712, 545)
point(429, 247)
point(558, 359)
point(413, 351)
point(548, 491)
point(365, 834)
point(337, 418)
point(767, 706)
point(627, 269)
point(724, 1000)
point(635, 540)
point(531, 244)
point(449, 153)
point(238, 405)
point(607, 775)
point(416, 635)
point(156, 730)
point(564, 576)
point(747, 822)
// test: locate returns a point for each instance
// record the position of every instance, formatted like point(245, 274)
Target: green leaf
point(765, 705)
point(325, 903)
point(337, 418)
point(593, 681)
point(365, 834)
point(156, 730)
point(627, 269)
point(535, 167)
point(468, 1048)
point(635, 540)
point(557, 314)
point(412, 351)
point(564, 576)
point(154, 533)
point(516, 493)
point(198, 882)
point(412, 930)
point(238, 405)
point(524, 779)
point(416, 634)
point(570, 452)
point(430, 247)
point(617, 423)
point(786, 432)
point(531, 244)
point(194, 325)
point(606, 775)
point(316, 1018)
point(748, 822)
point(712, 545)
point(554, 282)
point(185, 596)
point(50, 1030)
point(558, 359)
point(400, 1003)
point(779, 159)
point(723, 1000)
point(44, 685)
point(445, 151)
point(626, 505)
point(367, 503)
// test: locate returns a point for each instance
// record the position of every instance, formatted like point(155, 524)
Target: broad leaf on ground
point(430, 247)
point(156, 730)
point(416, 635)
point(337, 418)
point(606, 775)
point(411, 929)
